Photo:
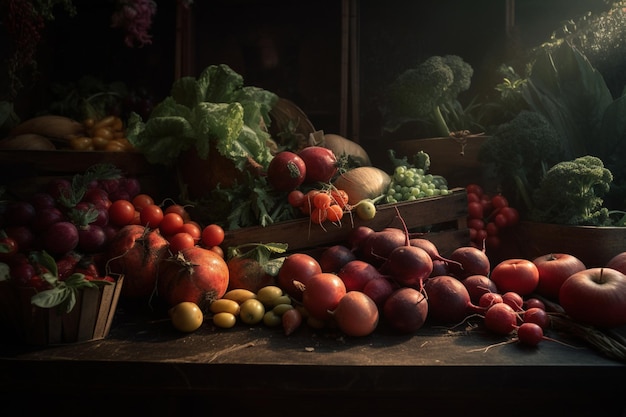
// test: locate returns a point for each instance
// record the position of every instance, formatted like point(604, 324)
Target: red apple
point(554, 269)
point(595, 296)
point(516, 275)
point(618, 262)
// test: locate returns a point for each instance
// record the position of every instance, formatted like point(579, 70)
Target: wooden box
point(443, 218)
point(24, 172)
point(90, 319)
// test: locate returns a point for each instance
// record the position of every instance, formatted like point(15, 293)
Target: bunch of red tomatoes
point(487, 216)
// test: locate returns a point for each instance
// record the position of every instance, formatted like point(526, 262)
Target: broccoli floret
point(571, 193)
point(421, 92)
point(519, 153)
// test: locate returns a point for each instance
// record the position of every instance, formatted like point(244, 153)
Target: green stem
point(441, 127)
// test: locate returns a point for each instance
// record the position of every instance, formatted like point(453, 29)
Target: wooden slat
point(300, 234)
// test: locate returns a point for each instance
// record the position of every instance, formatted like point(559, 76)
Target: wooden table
point(146, 368)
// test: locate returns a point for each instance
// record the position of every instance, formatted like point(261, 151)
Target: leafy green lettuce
point(213, 108)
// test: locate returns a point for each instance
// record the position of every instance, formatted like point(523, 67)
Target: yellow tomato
point(186, 316)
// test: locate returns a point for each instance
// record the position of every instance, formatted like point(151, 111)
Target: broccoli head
point(418, 93)
point(571, 193)
point(518, 154)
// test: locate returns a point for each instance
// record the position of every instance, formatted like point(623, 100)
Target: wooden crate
point(90, 319)
point(25, 172)
point(444, 217)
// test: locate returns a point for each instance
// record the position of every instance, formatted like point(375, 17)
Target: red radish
point(477, 285)
point(357, 238)
point(291, 320)
point(194, 274)
point(448, 300)
point(379, 289)
point(406, 310)
point(321, 164)
point(500, 318)
point(534, 303)
point(378, 245)
point(473, 261)
point(356, 314)
point(488, 299)
point(286, 171)
point(530, 334)
point(514, 300)
point(136, 252)
point(356, 274)
point(332, 259)
point(537, 316)
point(431, 249)
point(409, 266)
point(440, 268)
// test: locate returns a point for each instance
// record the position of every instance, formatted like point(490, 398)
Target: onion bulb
point(363, 183)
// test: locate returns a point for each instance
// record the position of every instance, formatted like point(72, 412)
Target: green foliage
point(421, 93)
point(571, 193)
point(519, 153)
point(214, 108)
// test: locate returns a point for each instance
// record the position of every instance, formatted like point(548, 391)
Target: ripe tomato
point(121, 212)
point(171, 224)
point(516, 275)
point(475, 189)
point(297, 267)
point(511, 214)
point(178, 209)
point(475, 210)
point(180, 241)
point(151, 216)
point(142, 200)
point(295, 198)
point(499, 201)
point(193, 229)
point(322, 295)
point(212, 235)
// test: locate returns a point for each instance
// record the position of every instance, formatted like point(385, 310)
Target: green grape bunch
point(410, 183)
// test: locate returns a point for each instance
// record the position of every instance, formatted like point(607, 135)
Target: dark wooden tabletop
point(144, 356)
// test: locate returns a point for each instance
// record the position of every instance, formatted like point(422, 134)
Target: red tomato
point(475, 210)
point(212, 235)
point(193, 229)
point(473, 197)
point(142, 200)
point(516, 275)
point(181, 241)
point(511, 214)
point(499, 201)
point(180, 210)
point(151, 215)
point(474, 189)
point(295, 198)
point(297, 267)
point(477, 224)
point(322, 295)
point(171, 223)
point(121, 212)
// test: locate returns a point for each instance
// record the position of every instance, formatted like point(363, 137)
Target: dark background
point(294, 48)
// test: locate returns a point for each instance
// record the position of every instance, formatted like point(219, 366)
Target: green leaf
point(52, 297)
point(77, 280)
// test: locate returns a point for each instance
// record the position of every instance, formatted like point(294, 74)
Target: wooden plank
point(300, 234)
